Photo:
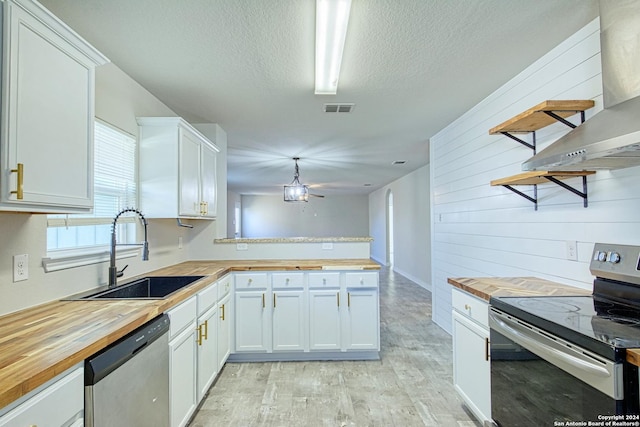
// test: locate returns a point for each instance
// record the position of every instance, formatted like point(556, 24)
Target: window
point(114, 189)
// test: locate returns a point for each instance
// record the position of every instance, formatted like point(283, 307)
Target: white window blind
point(114, 190)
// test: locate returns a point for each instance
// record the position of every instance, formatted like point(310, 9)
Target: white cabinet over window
point(177, 170)
point(46, 139)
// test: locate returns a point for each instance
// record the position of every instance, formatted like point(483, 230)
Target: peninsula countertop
point(38, 343)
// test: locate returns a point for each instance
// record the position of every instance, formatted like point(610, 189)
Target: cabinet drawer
point(287, 280)
point(207, 298)
point(367, 279)
point(252, 281)
point(324, 280)
point(182, 316)
point(224, 286)
point(470, 306)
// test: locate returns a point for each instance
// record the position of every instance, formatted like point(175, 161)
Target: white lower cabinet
point(252, 312)
point(224, 327)
point(182, 362)
point(362, 319)
point(327, 312)
point(471, 365)
point(325, 328)
point(289, 320)
point(58, 403)
point(207, 337)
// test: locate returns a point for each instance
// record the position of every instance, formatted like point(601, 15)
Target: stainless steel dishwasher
point(127, 384)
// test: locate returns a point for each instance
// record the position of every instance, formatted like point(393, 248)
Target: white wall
point(411, 225)
point(479, 230)
point(332, 216)
point(232, 199)
point(119, 99)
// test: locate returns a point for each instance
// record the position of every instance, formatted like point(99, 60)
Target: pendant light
point(296, 191)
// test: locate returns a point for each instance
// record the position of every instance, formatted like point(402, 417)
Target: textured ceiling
point(410, 66)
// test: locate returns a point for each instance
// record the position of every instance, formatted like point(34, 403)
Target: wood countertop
point(486, 287)
point(38, 343)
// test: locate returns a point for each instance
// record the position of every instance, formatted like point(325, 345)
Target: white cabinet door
point(189, 175)
point(324, 319)
point(252, 323)
point(289, 320)
point(224, 330)
point(207, 338)
point(61, 403)
point(471, 366)
point(182, 384)
point(48, 113)
point(170, 186)
point(362, 324)
point(208, 196)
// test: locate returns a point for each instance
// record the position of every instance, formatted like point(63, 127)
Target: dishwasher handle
point(117, 354)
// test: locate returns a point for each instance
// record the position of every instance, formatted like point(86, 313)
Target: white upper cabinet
point(177, 170)
point(47, 112)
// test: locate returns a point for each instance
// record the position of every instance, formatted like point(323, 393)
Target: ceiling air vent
point(338, 108)
point(399, 162)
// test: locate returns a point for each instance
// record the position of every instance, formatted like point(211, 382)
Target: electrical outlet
point(242, 247)
point(20, 267)
point(179, 242)
point(572, 250)
point(327, 246)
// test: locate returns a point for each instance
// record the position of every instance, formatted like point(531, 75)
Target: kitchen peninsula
point(39, 343)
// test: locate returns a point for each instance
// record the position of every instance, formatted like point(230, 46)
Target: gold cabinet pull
point(274, 300)
point(467, 307)
point(222, 307)
point(205, 335)
point(338, 297)
point(348, 299)
point(486, 349)
point(20, 181)
point(199, 334)
point(262, 300)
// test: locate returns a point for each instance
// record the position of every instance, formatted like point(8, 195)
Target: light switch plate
point(20, 267)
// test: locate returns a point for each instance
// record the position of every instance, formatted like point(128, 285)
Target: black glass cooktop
point(598, 324)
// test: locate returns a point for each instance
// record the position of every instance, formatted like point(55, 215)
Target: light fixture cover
point(296, 191)
point(332, 18)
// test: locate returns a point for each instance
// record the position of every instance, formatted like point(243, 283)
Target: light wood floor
point(411, 385)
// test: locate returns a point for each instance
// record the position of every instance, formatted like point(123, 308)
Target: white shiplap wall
point(479, 230)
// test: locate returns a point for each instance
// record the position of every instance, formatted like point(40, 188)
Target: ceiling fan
point(296, 191)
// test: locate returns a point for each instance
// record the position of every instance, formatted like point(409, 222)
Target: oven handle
point(536, 343)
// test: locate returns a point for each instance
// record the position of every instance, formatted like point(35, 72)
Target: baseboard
point(418, 281)
point(304, 356)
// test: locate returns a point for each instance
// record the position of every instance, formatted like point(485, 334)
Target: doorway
point(389, 228)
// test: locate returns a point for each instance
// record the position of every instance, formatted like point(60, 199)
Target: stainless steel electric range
point(562, 360)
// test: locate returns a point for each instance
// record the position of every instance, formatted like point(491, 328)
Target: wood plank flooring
point(410, 386)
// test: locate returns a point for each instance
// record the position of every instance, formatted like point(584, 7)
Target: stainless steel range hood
point(611, 138)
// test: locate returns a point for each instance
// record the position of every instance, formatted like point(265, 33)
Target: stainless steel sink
point(152, 287)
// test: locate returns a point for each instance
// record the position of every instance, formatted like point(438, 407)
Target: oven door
point(538, 379)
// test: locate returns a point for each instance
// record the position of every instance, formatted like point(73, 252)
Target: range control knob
point(602, 256)
point(614, 257)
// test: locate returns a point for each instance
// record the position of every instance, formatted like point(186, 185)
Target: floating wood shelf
point(538, 117)
point(539, 177)
point(542, 115)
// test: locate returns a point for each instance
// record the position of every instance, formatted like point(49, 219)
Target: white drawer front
point(207, 298)
point(470, 306)
point(252, 281)
point(324, 280)
point(368, 279)
point(287, 280)
point(182, 316)
point(224, 286)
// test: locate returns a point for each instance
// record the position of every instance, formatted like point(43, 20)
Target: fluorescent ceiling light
point(332, 17)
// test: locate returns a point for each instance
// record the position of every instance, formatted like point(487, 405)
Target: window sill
point(71, 259)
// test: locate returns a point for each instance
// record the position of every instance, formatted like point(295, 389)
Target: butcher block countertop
point(38, 343)
point(486, 287)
